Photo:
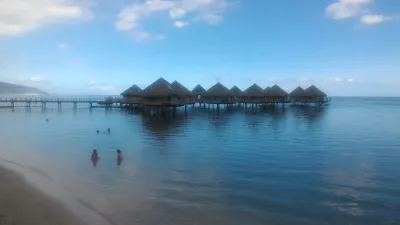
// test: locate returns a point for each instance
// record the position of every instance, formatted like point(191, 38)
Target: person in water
point(98, 131)
point(119, 157)
point(95, 157)
point(109, 130)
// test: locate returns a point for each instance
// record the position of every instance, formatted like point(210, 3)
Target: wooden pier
point(43, 102)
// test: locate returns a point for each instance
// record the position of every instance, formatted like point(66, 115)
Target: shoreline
point(23, 204)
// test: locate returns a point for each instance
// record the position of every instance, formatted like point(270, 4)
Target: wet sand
point(23, 204)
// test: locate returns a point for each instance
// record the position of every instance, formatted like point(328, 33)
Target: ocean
point(337, 164)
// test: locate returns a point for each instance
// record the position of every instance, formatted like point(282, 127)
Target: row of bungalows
point(163, 93)
point(310, 95)
point(160, 93)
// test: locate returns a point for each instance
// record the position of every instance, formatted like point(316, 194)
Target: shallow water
point(334, 165)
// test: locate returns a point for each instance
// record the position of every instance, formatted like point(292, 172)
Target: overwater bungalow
point(218, 94)
point(314, 95)
point(132, 95)
point(236, 92)
point(198, 92)
point(276, 94)
point(253, 95)
point(297, 95)
point(162, 94)
point(187, 98)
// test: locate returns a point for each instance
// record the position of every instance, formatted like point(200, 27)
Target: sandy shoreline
point(23, 204)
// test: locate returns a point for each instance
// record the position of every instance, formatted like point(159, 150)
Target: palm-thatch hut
point(236, 92)
point(313, 94)
point(187, 94)
point(254, 95)
point(161, 93)
point(297, 95)
point(132, 95)
point(218, 94)
point(198, 92)
point(276, 94)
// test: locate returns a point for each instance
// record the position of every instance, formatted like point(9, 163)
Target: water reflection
point(272, 166)
point(309, 114)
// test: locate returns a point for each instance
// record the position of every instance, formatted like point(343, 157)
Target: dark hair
point(118, 151)
point(94, 150)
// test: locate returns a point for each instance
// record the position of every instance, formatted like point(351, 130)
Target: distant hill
point(7, 88)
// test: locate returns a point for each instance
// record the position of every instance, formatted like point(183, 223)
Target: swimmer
point(119, 155)
point(95, 157)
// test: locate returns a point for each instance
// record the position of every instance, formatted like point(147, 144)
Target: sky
point(102, 47)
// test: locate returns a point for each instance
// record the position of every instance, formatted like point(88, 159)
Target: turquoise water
point(334, 165)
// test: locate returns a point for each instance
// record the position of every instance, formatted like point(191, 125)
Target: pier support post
point(185, 107)
point(12, 105)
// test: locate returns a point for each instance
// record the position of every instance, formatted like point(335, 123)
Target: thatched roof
point(178, 86)
point(266, 89)
point(132, 91)
point(161, 88)
point(298, 92)
point(199, 90)
point(313, 91)
point(254, 91)
point(276, 91)
point(218, 90)
point(236, 91)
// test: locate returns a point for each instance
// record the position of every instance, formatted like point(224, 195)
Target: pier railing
point(60, 99)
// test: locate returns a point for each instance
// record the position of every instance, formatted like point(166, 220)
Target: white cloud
point(335, 79)
point(176, 13)
point(344, 9)
point(160, 37)
point(63, 46)
point(180, 24)
point(92, 85)
point(373, 19)
point(140, 35)
point(130, 18)
point(32, 79)
point(350, 80)
point(21, 16)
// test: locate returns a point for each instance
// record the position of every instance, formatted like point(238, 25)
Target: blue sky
point(75, 47)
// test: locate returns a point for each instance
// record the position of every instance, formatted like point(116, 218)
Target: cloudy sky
point(346, 47)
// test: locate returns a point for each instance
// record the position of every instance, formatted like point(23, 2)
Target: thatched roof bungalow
point(314, 94)
point(297, 95)
point(253, 94)
point(198, 91)
point(236, 92)
point(161, 93)
point(187, 94)
point(218, 94)
point(132, 95)
point(276, 94)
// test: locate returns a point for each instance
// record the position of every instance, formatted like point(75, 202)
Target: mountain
point(7, 88)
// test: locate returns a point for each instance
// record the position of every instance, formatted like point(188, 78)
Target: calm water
point(336, 165)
